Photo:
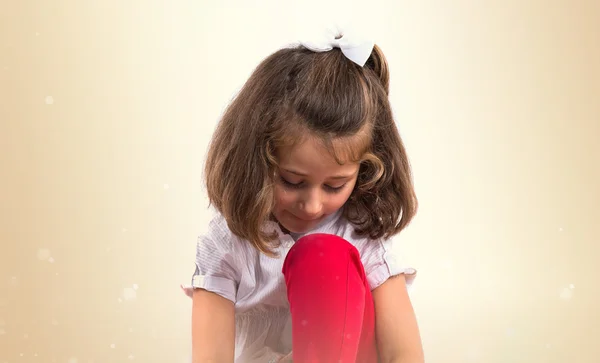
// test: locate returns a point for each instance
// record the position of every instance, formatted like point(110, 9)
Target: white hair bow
point(355, 45)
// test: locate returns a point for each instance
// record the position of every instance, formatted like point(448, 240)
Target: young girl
point(311, 180)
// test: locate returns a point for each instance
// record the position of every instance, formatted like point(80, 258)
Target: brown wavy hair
point(294, 94)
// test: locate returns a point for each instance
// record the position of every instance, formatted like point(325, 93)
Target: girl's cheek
point(283, 196)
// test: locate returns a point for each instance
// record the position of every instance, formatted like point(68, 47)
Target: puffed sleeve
point(215, 264)
point(381, 262)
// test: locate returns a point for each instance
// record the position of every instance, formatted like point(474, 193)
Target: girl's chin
point(293, 224)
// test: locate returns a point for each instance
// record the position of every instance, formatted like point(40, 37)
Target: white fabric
point(235, 270)
point(354, 43)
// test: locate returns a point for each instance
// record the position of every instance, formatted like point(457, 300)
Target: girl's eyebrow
point(332, 177)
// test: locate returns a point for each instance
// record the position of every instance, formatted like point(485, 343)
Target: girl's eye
point(291, 185)
point(336, 189)
point(300, 185)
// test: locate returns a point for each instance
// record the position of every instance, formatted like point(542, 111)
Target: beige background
point(106, 109)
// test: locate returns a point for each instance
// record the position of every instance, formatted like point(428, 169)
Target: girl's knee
point(320, 244)
point(321, 248)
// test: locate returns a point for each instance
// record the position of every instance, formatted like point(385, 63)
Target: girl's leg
point(333, 318)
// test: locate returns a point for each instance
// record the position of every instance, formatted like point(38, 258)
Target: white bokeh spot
point(129, 294)
point(49, 100)
point(447, 265)
point(566, 294)
point(473, 354)
point(510, 332)
point(43, 254)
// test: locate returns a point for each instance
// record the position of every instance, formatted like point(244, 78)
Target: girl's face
point(310, 186)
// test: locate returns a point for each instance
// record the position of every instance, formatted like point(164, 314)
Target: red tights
point(333, 318)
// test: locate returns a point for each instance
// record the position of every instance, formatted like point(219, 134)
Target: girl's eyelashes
point(336, 189)
point(301, 185)
point(291, 185)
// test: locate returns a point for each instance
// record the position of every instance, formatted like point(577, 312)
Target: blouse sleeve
point(215, 267)
point(381, 262)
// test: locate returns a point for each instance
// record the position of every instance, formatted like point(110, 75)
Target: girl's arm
point(213, 328)
point(398, 338)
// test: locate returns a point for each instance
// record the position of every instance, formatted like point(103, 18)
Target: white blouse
point(234, 269)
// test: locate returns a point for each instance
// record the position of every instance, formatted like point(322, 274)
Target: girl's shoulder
point(218, 233)
point(223, 241)
point(363, 243)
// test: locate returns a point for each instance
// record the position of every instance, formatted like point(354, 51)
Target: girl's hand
point(286, 359)
point(189, 291)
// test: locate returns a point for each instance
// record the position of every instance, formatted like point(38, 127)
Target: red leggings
point(333, 318)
